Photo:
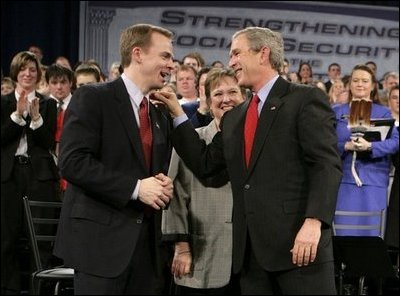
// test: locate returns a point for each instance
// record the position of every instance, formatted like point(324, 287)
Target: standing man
point(60, 80)
point(113, 153)
point(334, 72)
point(285, 185)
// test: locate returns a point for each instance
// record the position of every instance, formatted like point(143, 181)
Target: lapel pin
point(157, 126)
point(273, 108)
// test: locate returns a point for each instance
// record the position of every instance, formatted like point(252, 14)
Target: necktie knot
point(59, 104)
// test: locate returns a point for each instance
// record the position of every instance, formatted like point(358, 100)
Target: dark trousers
point(139, 278)
point(13, 226)
point(314, 279)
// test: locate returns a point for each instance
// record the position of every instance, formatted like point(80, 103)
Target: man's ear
point(137, 54)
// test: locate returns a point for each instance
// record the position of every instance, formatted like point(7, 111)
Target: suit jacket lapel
point(267, 117)
point(128, 119)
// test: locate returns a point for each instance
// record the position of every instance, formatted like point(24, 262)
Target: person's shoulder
point(380, 110)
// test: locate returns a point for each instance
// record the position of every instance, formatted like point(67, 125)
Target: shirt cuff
point(135, 193)
point(18, 119)
point(36, 124)
point(179, 120)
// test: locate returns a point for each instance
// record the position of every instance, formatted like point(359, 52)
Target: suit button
point(247, 186)
point(139, 221)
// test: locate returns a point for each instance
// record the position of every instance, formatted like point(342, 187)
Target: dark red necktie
point(250, 126)
point(145, 131)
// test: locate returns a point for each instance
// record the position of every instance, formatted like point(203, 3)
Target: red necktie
point(250, 126)
point(145, 131)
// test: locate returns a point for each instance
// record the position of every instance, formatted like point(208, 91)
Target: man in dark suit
point(110, 222)
point(284, 192)
point(334, 72)
point(28, 124)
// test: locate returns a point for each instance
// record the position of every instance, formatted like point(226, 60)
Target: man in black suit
point(334, 72)
point(110, 222)
point(285, 193)
point(28, 124)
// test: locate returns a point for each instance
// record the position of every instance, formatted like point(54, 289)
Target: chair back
point(36, 223)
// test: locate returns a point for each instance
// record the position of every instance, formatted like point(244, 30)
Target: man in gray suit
point(285, 184)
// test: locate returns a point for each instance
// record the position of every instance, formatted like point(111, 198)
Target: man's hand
point(170, 101)
point(306, 242)
point(156, 191)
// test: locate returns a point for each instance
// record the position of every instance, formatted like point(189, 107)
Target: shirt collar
point(133, 91)
point(265, 90)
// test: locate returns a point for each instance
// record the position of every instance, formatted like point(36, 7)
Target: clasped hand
point(156, 191)
point(358, 144)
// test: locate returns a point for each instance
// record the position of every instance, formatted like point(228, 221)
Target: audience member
point(63, 61)
point(334, 72)
point(198, 111)
point(37, 51)
point(193, 59)
point(366, 164)
point(42, 87)
point(335, 92)
point(60, 80)
point(7, 86)
point(374, 68)
point(390, 79)
point(217, 64)
point(305, 73)
point(199, 218)
point(392, 224)
point(114, 71)
point(285, 69)
point(186, 84)
point(86, 74)
point(28, 124)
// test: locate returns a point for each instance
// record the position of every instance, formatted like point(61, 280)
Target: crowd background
point(51, 31)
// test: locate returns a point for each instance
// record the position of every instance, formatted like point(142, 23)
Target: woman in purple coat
point(365, 179)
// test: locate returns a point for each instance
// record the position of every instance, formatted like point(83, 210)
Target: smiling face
point(155, 62)
point(27, 77)
point(224, 95)
point(244, 61)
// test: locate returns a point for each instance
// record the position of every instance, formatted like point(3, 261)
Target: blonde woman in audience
point(199, 218)
point(7, 86)
point(336, 91)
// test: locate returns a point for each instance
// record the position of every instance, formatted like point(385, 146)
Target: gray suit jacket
point(202, 215)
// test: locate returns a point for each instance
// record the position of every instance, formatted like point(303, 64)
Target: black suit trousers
point(314, 279)
point(139, 278)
